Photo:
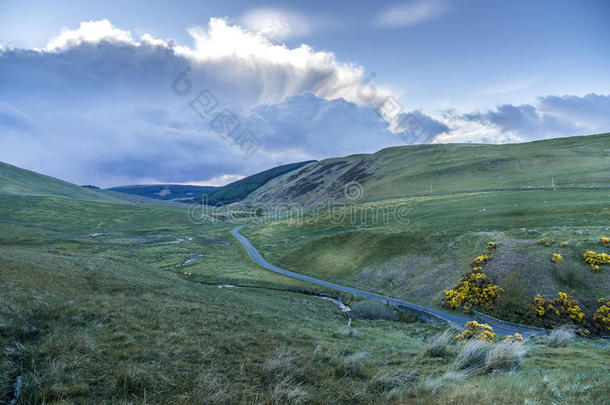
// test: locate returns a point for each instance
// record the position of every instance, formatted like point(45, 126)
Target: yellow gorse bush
point(558, 310)
point(516, 338)
point(478, 331)
point(556, 257)
point(479, 260)
point(564, 244)
point(604, 241)
point(595, 259)
point(475, 289)
point(545, 241)
point(601, 318)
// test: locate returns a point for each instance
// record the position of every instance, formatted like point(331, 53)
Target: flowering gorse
point(479, 331)
point(545, 241)
point(601, 318)
point(516, 338)
point(556, 257)
point(475, 289)
point(558, 310)
point(595, 259)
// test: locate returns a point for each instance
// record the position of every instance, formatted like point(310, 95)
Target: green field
point(107, 301)
point(424, 253)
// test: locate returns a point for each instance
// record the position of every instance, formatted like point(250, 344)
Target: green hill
point(239, 189)
point(16, 181)
point(581, 161)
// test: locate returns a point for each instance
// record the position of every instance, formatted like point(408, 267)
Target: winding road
point(429, 314)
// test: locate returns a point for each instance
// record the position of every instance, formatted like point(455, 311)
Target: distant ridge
point(240, 189)
point(174, 192)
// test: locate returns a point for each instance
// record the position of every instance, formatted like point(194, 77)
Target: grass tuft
point(561, 336)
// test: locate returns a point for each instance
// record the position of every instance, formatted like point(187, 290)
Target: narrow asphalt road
point(456, 320)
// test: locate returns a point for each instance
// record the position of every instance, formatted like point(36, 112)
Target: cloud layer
point(100, 106)
point(550, 117)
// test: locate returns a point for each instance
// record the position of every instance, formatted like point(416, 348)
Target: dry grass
point(438, 346)
point(561, 336)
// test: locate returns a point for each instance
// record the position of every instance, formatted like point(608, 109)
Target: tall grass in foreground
point(475, 355)
point(438, 346)
point(561, 336)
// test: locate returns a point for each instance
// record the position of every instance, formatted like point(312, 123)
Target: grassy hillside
point(119, 303)
point(238, 190)
point(582, 161)
point(415, 248)
point(20, 182)
point(16, 181)
point(166, 191)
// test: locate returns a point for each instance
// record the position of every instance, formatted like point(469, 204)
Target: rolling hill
point(581, 161)
point(240, 189)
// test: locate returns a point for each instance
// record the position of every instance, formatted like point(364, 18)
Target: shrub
point(564, 244)
point(438, 345)
point(512, 304)
point(474, 290)
point(478, 331)
point(601, 318)
point(516, 338)
point(561, 336)
point(479, 261)
point(545, 241)
point(556, 257)
point(604, 241)
point(595, 259)
point(560, 310)
point(373, 309)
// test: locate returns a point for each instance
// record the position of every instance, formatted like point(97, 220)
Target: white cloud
point(88, 32)
point(412, 13)
point(277, 24)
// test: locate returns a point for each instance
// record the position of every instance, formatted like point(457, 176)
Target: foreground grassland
point(99, 303)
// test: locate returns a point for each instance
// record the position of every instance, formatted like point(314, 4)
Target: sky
point(196, 92)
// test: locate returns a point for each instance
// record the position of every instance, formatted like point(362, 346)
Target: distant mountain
point(240, 189)
point(174, 192)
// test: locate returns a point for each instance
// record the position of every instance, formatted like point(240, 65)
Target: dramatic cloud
point(100, 106)
point(405, 15)
point(550, 117)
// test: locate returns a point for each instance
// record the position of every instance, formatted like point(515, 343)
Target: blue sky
point(84, 87)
